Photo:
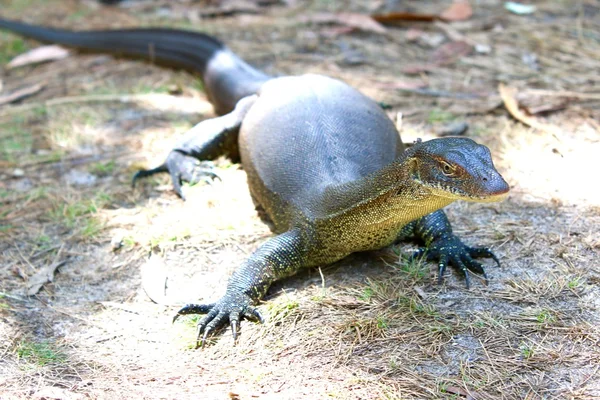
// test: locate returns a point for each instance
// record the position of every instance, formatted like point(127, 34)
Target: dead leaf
point(402, 16)
point(458, 11)
point(450, 52)
point(459, 391)
point(422, 294)
point(414, 69)
point(39, 55)
point(353, 20)
point(44, 275)
point(361, 22)
point(53, 392)
point(154, 279)
point(20, 94)
point(509, 98)
point(445, 54)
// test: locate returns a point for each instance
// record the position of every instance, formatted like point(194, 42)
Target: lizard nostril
point(485, 179)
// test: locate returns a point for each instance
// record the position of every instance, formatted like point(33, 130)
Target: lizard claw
point(232, 307)
point(193, 309)
point(449, 249)
point(182, 168)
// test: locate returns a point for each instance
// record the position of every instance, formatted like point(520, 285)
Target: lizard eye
point(447, 169)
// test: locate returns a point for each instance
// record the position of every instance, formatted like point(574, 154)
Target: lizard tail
point(227, 78)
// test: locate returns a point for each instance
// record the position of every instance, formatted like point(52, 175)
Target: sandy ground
point(83, 253)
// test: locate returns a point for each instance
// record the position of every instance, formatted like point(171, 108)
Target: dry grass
point(370, 326)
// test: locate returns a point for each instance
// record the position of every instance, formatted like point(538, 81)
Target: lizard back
point(307, 133)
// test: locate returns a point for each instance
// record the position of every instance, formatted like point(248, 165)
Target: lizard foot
point(232, 307)
point(449, 249)
point(182, 168)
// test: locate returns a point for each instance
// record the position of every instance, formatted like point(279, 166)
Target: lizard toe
point(193, 309)
point(252, 314)
point(483, 252)
point(457, 262)
point(204, 171)
point(234, 322)
point(211, 323)
point(474, 266)
point(442, 264)
point(423, 253)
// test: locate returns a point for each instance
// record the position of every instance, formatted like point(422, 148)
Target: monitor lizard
point(323, 160)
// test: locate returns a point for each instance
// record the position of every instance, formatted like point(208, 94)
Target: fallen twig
point(564, 93)
point(457, 36)
point(441, 93)
point(169, 100)
point(77, 159)
point(20, 94)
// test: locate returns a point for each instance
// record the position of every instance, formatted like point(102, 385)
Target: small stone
point(483, 48)
point(80, 178)
point(413, 34)
point(432, 40)
point(454, 129)
point(307, 41)
point(116, 242)
point(354, 58)
point(18, 172)
point(22, 185)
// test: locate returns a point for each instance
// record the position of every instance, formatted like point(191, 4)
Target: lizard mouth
point(489, 198)
point(483, 196)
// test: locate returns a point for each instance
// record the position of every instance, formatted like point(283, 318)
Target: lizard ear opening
point(413, 168)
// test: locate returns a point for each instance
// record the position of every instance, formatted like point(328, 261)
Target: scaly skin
point(323, 160)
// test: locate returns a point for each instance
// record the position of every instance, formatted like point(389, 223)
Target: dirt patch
point(370, 326)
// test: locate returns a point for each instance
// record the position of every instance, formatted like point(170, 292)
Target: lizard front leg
point(443, 246)
point(206, 141)
point(279, 257)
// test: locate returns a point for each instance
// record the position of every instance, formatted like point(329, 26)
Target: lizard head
point(457, 168)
